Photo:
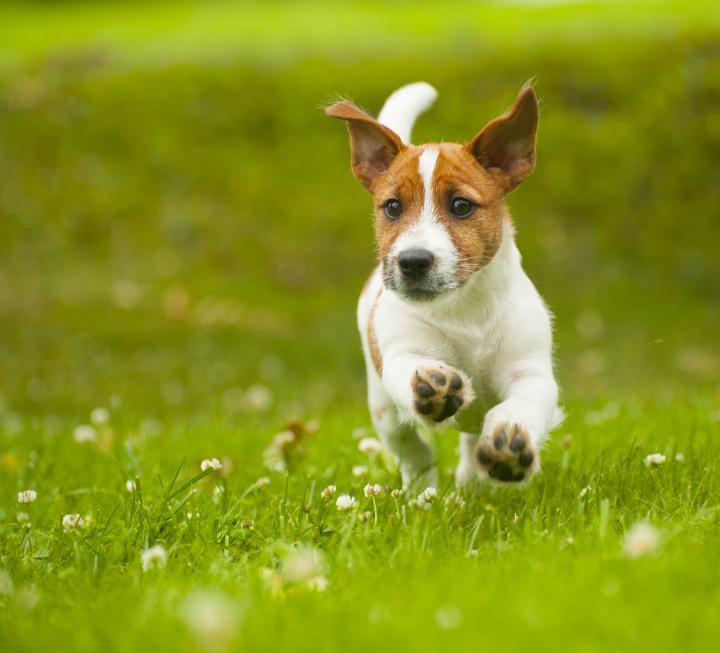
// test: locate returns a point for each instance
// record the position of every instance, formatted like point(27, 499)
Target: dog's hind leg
point(414, 455)
point(466, 471)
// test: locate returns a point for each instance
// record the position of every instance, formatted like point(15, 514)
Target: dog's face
point(439, 208)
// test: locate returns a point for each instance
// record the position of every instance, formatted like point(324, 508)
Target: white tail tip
point(402, 108)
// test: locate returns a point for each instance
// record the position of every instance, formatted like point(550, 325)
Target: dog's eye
point(393, 209)
point(461, 207)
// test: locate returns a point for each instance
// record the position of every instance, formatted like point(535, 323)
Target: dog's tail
point(402, 108)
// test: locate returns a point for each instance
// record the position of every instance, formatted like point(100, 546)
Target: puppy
point(453, 330)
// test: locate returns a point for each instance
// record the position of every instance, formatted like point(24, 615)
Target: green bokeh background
point(205, 168)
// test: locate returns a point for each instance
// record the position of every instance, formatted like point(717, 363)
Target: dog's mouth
point(419, 293)
point(429, 287)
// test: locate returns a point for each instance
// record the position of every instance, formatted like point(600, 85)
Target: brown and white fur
point(450, 323)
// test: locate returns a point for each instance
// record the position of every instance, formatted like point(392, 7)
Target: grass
point(505, 568)
point(181, 244)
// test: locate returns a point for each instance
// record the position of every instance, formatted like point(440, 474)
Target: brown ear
point(373, 145)
point(506, 145)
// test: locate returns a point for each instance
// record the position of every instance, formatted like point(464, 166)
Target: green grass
point(178, 225)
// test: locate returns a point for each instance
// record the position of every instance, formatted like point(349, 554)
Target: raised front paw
point(439, 391)
point(508, 455)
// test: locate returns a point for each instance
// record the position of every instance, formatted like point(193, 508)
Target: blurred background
point(182, 245)
point(181, 237)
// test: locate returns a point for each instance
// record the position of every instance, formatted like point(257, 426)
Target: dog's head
point(439, 208)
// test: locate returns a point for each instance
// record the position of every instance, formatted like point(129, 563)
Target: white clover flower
point(302, 564)
point(27, 496)
point(6, 584)
point(100, 416)
point(258, 398)
point(448, 617)
point(305, 567)
point(74, 520)
point(280, 449)
point(212, 618)
point(154, 557)
point(262, 481)
point(210, 463)
point(328, 492)
point(642, 539)
point(360, 432)
point(359, 471)
point(271, 580)
point(317, 583)
point(427, 496)
point(28, 597)
point(126, 294)
point(151, 427)
point(654, 460)
point(454, 499)
point(370, 447)
point(345, 502)
point(371, 490)
point(284, 439)
point(679, 457)
point(365, 516)
point(397, 493)
point(130, 486)
point(84, 433)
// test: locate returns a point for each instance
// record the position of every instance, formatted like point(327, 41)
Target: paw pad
point(509, 455)
point(439, 392)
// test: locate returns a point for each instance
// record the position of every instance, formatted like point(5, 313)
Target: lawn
point(181, 248)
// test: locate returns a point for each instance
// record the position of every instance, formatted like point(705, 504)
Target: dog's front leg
point(425, 391)
point(508, 449)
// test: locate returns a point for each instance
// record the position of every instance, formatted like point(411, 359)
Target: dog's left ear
point(373, 145)
point(506, 145)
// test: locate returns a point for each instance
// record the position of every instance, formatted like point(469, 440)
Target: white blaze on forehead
point(426, 232)
point(426, 168)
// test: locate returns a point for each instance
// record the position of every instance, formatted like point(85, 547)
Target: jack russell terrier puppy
point(450, 323)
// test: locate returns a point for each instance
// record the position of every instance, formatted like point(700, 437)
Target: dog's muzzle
point(413, 274)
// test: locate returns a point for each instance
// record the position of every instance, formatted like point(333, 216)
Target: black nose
point(414, 263)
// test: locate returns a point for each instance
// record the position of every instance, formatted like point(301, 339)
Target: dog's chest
point(473, 346)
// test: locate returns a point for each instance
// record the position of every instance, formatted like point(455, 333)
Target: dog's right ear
point(373, 145)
